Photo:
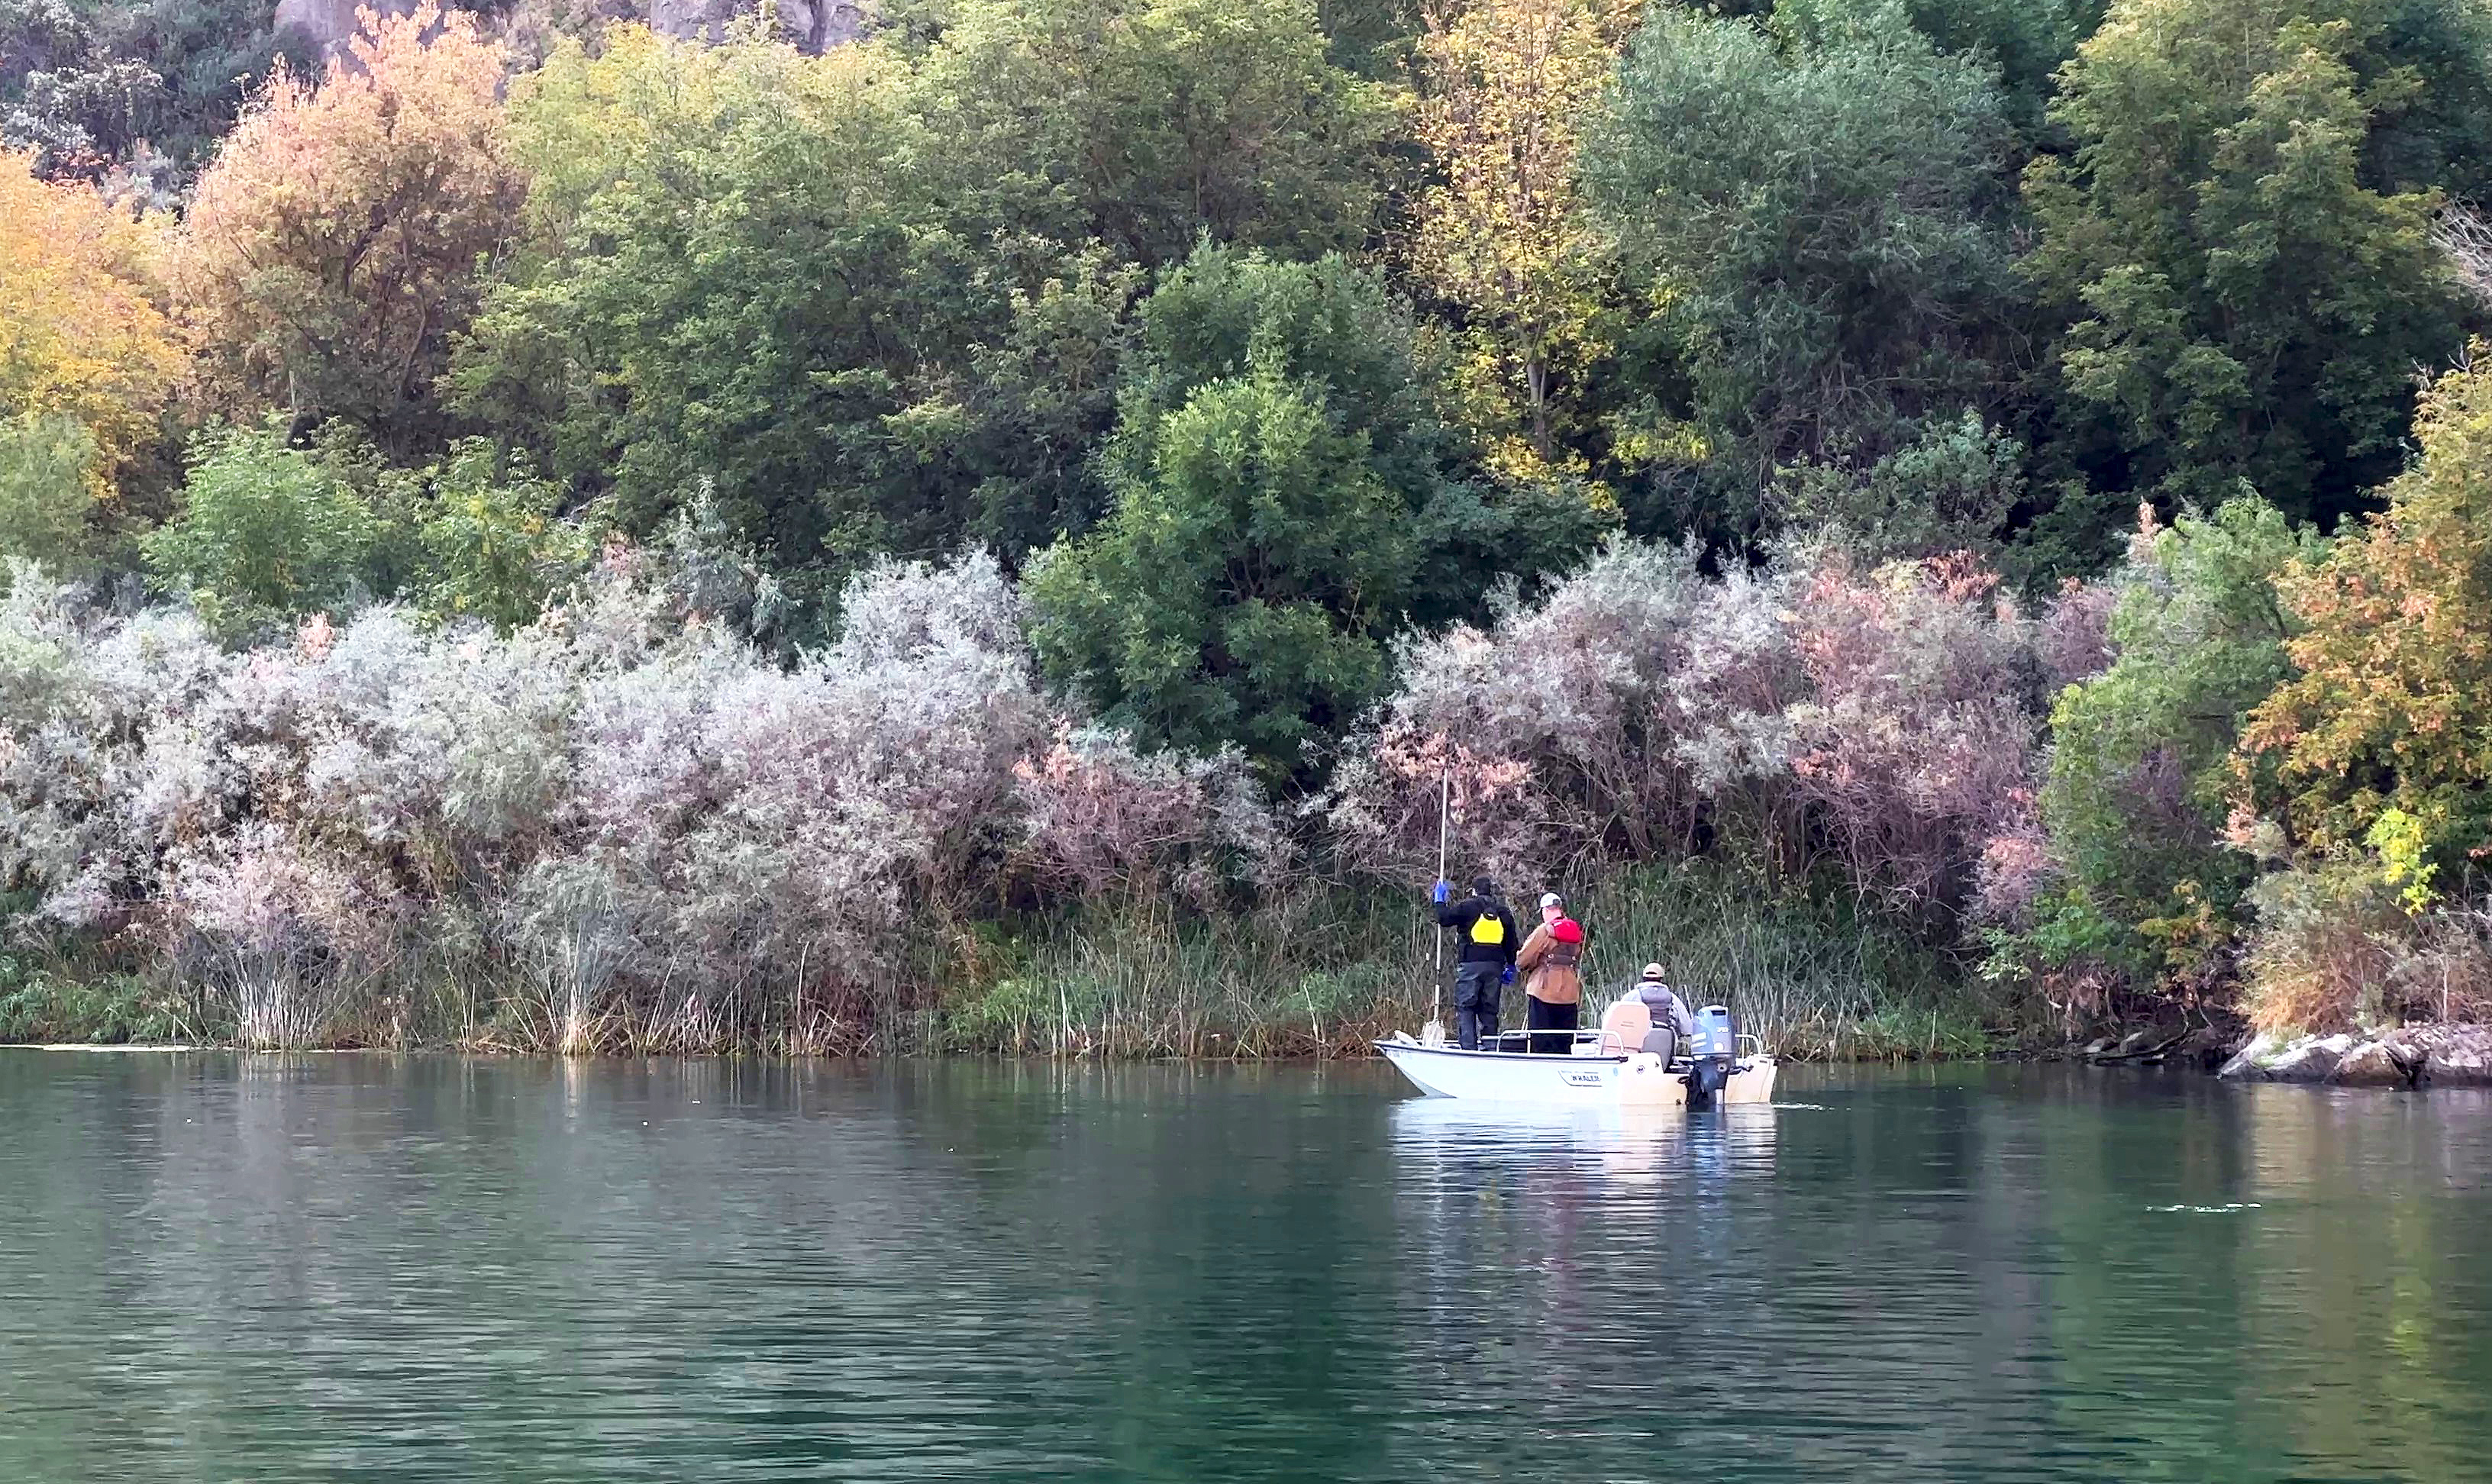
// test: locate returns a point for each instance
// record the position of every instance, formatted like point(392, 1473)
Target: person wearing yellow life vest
point(1483, 927)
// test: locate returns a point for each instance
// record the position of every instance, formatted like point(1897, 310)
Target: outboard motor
point(1711, 1053)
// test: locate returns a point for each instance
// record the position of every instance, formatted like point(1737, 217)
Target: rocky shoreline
point(2407, 1056)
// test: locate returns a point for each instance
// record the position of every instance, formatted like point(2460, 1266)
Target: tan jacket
point(1555, 978)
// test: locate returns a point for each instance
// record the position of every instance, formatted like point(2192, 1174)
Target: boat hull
point(1638, 1081)
point(1505, 1077)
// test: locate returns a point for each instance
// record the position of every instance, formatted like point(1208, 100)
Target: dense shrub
point(1881, 725)
point(654, 833)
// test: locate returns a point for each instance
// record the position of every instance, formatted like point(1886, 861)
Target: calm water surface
point(346, 1267)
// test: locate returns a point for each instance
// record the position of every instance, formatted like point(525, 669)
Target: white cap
point(1552, 898)
point(1653, 971)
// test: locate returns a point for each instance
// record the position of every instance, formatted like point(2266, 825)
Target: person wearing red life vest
point(1552, 956)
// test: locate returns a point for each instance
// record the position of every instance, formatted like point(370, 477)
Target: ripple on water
point(324, 1268)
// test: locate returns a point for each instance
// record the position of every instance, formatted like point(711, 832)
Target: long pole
point(1445, 826)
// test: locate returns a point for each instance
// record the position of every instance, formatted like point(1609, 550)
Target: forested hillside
point(1946, 521)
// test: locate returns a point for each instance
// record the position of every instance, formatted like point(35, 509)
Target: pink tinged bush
point(1102, 819)
point(1559, 727)
point(1889, 719)
point(2017, 867)
point(639, 810)
point(2073, 638)
point(288, 932)
point(1918, 743)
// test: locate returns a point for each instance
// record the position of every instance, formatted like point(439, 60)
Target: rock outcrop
point(813, 25)
point(327, 23)
point(2410, 1056)
point(2271, 1057)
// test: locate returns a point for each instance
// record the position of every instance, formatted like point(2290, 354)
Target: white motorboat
point(1599, 1071)
point(1505, 1077)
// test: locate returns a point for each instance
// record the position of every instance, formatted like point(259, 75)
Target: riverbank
point(1317, 972)
point(2444, 1056)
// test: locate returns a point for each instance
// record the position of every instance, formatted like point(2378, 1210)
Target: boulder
point(810, 26)
point(2375, 1064)
point(2277, 1058)
point(328, 24)
point(2447, 1056)
point(2251, 1060)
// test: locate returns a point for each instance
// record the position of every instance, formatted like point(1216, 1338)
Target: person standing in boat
point(1553, 996)
point(1484, 925)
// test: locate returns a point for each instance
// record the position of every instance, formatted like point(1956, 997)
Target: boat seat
point(1625, 1026)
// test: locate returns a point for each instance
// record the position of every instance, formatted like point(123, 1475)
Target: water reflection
point(399, 1268)
point(1634, 1146)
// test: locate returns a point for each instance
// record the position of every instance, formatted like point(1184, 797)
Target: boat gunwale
point(1388, 1046)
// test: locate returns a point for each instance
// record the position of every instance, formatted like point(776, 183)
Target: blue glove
point(1443, 893)
point(1508, 976)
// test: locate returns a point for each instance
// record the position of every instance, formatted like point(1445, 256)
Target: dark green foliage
point(1817, 207)
point(1242, 590)
point(2025, 40)
point(2240, 245)
point(1288, 493)
point(2427, 67)
point(1151, 123)
point(1950, 490)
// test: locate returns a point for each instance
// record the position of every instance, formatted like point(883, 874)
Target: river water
point(356, 1267)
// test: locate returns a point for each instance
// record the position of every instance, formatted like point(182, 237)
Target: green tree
point(1242, 589)
point(2141, 774)
point(1288, 493)
point(2027, 41)
point(266, 533)
point(740, 274)
point(1334, 329)
point(2251, 294)
point(46, 491)
point(1151, 123)
point(493, 547)
point(1815, 205)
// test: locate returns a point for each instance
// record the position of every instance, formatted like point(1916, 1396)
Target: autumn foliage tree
point(1505, 86)
point(331, 252)
point(2393, 707)
point(82, 340)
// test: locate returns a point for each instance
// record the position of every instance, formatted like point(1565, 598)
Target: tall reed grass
point(1324, 970)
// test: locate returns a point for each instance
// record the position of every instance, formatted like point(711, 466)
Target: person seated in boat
point(1672, 1020)
point(1484, 927)
point(1554, 993)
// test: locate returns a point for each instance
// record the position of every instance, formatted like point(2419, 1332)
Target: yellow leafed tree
point(81, 335)
point(332, 250)
point(1503, 86)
